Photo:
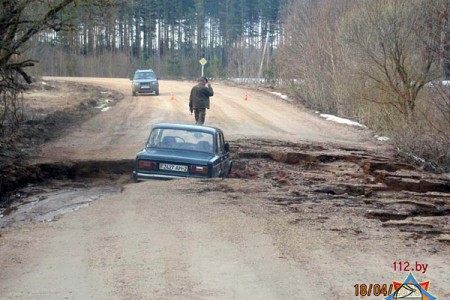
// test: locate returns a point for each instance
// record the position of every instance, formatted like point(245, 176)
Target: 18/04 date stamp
point(373, 289)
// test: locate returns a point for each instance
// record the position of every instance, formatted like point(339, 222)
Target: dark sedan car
point(178, 150)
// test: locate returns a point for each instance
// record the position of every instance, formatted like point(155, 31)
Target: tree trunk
point(137, 18)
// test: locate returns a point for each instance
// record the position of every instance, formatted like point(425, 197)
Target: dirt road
point(121, 131)
point(307, 218)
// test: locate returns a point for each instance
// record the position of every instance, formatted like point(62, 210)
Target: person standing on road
point(199, 99)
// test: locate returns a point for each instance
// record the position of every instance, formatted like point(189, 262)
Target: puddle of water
point(48, 206)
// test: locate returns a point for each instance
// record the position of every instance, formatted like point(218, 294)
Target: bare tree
point(396, 55)
point(20, 20)
point(310, 53)
point(375, 61)
point(389, 56)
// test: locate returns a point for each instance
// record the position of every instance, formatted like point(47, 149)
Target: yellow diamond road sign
point(203, 61)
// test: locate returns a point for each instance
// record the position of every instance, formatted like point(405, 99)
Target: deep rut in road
point(82, 170)
point(293, 175)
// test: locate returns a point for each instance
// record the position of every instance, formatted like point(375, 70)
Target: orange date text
point(373, 289)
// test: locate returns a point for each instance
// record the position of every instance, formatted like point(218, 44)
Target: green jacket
point(200, 96)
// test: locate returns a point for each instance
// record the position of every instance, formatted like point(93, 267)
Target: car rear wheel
point(157, 93)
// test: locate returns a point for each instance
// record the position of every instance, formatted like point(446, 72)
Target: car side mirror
point(227, 147)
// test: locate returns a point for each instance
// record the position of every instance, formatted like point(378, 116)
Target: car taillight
point(203, 170)
point(146, 165)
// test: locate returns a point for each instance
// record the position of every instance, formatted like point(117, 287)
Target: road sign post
point(203, 62)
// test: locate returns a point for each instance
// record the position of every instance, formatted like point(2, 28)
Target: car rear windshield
point(145, 75)
point(181, 139)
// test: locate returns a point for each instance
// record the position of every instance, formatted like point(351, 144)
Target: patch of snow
point(247, 80)
point(101, 106)
point(341, 120)
point(106, 108)
point(417, 158)
point(44, 83)
point(284, 97)
point(438, 83)
point(382, 138)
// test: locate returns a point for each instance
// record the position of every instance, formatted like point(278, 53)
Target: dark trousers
point(200, 114)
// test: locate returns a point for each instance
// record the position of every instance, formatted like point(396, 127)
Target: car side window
point(219, 143)
point(154, 138)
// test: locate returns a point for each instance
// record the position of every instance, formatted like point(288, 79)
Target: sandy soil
point(315, 209)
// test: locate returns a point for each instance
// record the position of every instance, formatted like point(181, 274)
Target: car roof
point(148, 70)
point(208, 129)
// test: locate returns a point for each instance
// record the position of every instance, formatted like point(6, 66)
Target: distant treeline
point(113, 37)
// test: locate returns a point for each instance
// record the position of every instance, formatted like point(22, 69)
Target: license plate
point(170, 167)
point(145, 86)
